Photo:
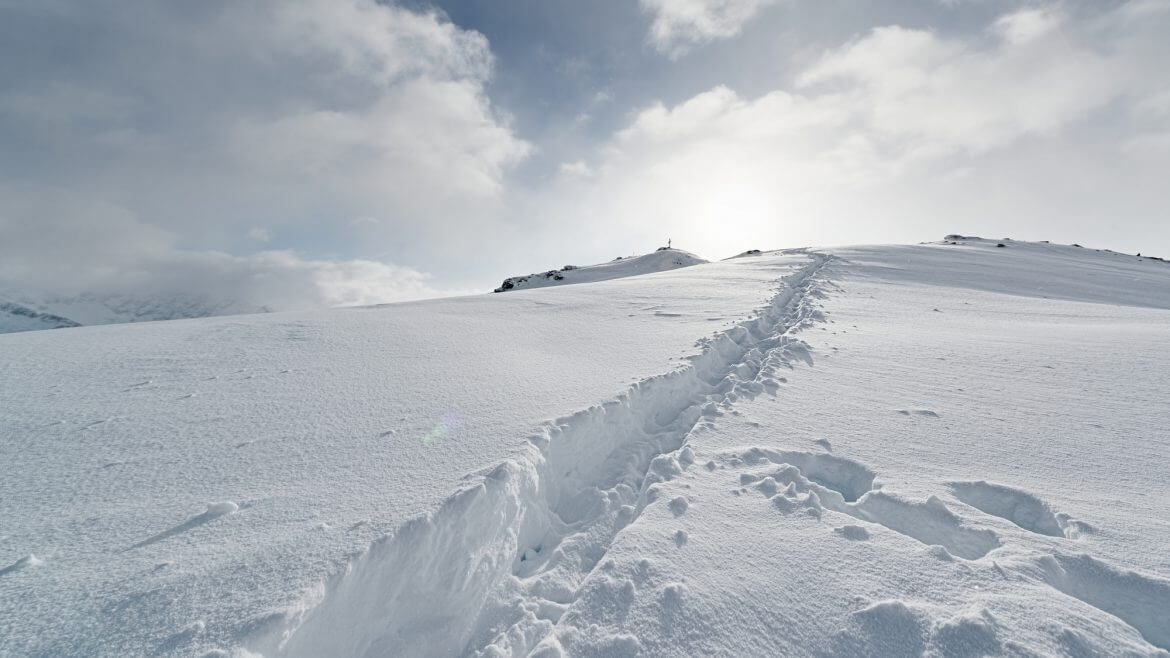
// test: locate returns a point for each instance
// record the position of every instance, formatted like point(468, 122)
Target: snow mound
point(662, 260)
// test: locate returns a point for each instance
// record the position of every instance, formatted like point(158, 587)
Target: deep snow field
point(941, 450)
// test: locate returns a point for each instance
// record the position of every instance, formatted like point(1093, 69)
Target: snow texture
point(950, 449)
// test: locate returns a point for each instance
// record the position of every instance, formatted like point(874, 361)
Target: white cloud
point(1156, 104)
point(578, 168)
point(678, 25)
point(876, 128)
point(1150, 145)
point(940, 96)
point(113, 252)
point(422, 124)
point(1028, 24)
point(284, 280)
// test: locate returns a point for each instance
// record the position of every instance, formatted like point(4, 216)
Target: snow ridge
point(493, 569)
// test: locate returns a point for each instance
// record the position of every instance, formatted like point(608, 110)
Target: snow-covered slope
point(944, 449)
point(661, 260)
point(327, 430)
point(27, 311)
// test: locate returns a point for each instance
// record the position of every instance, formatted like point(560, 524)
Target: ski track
point(492, 569)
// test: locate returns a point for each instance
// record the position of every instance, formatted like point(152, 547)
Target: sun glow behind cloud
point(872, 132)
point(353, 152)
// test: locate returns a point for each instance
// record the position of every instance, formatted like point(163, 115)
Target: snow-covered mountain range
point(947, 449)
point(24, 311)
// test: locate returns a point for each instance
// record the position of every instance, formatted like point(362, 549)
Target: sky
point(335, 152)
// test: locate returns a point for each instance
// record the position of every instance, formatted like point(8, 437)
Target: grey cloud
point(195, 121)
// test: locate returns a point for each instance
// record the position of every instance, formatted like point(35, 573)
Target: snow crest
point(493, 569)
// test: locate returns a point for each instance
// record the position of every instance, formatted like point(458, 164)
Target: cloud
point(1028, 24)
point(354, 132)
point(1153, 145)
point(883, 128)
point(177, 124)
point(577, 168)
point(939, 96)
point(678, 25)
point(284, 280)
point(114, 253)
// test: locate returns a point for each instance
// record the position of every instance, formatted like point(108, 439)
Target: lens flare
point(446, 426)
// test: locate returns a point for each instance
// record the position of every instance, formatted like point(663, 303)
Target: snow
point(943, 449)
point(360, 419)
point(662, 260)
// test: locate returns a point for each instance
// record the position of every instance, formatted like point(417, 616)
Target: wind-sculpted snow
point(845, 486)
point(535, 528)
point(1019, 507)
point(1139, 600)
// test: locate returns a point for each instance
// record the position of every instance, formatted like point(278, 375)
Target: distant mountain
point(16, 317)
point(656, 261)
point(30, 312)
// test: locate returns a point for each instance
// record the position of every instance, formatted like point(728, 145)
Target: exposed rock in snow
point(17, 317)
point(749, 252)
point(662, 260)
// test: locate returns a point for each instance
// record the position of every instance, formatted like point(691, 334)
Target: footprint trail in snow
point(536, 528)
